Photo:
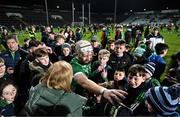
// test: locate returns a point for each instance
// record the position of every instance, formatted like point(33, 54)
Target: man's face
point(135, 81)
point(12, 45)
point(119, 49)
point(119, 75)
point(43, 60)
point(9, 93)
point(2, 69)
point(85, 57)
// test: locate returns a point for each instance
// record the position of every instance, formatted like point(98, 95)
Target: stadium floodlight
point(73, 9)
point(47, 16)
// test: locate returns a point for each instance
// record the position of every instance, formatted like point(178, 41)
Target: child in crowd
point(101, 70)
point(3, 75)
point(119, 82)
point(8, 92)
point(161, 51)
point(96, 47)
point(39, 66)
point(163, 101)
point(149, 80)
point(136, 90)
point(66, 53)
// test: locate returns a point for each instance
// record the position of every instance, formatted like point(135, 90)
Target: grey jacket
point(46, 101)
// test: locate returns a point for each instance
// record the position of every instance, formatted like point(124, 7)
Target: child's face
point(2, 69)
point(112, 46)
point(66, 51)
point(9, 93)
point(135, 81)
point(119, 49)
point(119, 75)
point(103, 59)
point(43, 60)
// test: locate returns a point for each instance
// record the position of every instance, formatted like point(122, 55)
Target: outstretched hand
point(114, 95)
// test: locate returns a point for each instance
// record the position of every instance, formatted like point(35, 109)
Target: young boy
point(66, 53)
point(39, 66)
point(3, 75)
point(119, 57)
point(163, 101)
point(149, 80)
point(161, 51)
point(8, 92)
point(136, 90)
point(119, 82)
point(101, 71)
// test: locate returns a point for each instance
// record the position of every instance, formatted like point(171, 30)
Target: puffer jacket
point(46, 101)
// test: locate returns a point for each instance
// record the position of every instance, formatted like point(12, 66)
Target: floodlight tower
point(47, 16)
point(73, 14)
point(89, 13)
point(83, 14)
point(115, 10)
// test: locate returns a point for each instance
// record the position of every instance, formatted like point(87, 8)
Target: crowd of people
point(66, 75)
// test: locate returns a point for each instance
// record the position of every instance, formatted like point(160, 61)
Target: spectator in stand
point(155, 37)
point(161, 51)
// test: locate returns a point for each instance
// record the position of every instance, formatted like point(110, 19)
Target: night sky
point(99, 5)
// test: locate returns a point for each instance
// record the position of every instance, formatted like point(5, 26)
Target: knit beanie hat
point(66, 45)
point(83, 46)
point(150, 67)
point(138, 52)
point(164, 100)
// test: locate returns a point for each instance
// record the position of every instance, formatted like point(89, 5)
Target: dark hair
point(34, 43)
point(160, 47)
point(120, 69)
point(2, 60)
point(111, 41)
point(6, 83)
point(40, 52)
point(136, 68)
point(120, 42)
point(11, 37)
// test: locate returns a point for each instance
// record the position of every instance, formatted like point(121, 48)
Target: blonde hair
point(104, 52)
point(58, 76)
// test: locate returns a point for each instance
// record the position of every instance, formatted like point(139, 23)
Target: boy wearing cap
point(163, 101)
